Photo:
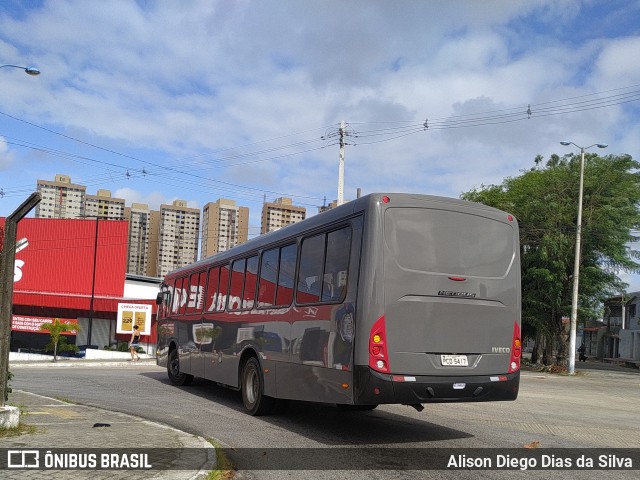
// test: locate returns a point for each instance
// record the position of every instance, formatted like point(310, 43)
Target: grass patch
point(224, 468)
point(21, 407)
point(21, 429)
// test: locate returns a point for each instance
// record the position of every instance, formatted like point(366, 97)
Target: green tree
point(55, 330)
point(544, 199)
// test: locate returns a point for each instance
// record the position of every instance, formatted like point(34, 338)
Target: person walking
point(133, 344)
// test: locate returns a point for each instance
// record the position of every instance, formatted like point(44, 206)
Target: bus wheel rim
point(251, 386)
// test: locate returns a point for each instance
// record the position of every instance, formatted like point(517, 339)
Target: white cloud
point(185, 89)
point(6, 156)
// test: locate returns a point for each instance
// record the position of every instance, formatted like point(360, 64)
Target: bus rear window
point(442, 241)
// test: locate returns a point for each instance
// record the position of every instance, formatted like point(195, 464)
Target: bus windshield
point(449, 242)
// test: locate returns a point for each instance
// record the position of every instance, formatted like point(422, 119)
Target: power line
point(333, 136)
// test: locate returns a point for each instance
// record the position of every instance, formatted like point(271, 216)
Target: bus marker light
point(385, 199)
point(376, 391)
point(397, 378)
point(502, 378)
point(377, 338)
point(457, 279)
point(266, 370)
point(345, 385)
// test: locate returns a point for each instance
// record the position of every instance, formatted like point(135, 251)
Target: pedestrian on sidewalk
point(133, 344)
point(581, 351)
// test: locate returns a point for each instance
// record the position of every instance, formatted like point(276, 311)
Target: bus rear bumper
point(375, 388)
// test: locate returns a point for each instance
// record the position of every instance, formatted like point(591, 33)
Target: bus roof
point(330, 216)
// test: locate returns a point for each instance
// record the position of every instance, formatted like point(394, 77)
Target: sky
point(206, 99)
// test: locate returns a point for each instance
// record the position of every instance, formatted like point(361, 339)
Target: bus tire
point(355, 408)
point(177, 377)
point(253, 397)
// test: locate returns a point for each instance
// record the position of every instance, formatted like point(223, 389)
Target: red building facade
point(70, 269)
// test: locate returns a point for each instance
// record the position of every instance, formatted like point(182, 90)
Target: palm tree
point(55, 329)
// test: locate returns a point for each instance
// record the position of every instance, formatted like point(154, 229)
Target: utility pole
point(8, 260)
point(341, 167)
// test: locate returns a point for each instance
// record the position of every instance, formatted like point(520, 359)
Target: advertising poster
point(21, 323)
point(130, 314)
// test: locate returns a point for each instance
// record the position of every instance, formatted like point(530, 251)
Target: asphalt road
point(592, 410)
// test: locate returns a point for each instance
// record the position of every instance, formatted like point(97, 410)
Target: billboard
point(20, 323)
point(57, 256)
point(130, 314)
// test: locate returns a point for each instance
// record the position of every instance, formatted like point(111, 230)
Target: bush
point(63, 346)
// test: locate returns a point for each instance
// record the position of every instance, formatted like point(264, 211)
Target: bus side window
point(195, 293)
point(223, 288)
point(286, 272)
point(177, 296)
point(164, 308)
point(268, 277)
point(310, 278)
point(250, 279)
point(237, 284)
point(184, 296)
point(337, 263)
point(212, 289)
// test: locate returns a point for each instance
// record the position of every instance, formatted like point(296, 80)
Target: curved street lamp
point(28, 70)
point(576, 267)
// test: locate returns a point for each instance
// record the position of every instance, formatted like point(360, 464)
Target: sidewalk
point(59, 426)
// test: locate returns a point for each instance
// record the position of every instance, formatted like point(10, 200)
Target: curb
point(187, 440)
point(81, 363)
point(9, 417)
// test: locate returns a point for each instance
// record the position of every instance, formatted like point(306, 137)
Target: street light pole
point(93, 284)
point(576, 265)
point(28, 70)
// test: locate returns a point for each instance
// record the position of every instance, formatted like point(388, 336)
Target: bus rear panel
point(445, 325)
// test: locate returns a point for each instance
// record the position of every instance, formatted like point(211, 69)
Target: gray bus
point(388, 299)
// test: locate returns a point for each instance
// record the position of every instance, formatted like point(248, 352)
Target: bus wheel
point(355, 408)
point(173, 371)
point(252, 388)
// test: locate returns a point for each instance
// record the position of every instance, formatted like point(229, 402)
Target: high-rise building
point(224, 225)
point(326, 208)
point(178, 238)
point(103, 206)
point(60, 198)
point(139, 259)
point(279, 213)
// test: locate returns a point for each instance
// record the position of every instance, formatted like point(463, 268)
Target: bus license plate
point(454, 360)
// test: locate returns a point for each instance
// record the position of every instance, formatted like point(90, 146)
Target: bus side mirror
point(159, 299)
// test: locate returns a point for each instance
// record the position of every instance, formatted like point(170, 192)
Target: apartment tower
point(138, 258)
point(178, 236)
point(103, 206)
point(60, 198)
point(224, 225)
point(279, 213)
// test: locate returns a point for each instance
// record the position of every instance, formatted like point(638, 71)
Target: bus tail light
point(378, 356)
point(516, 350)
